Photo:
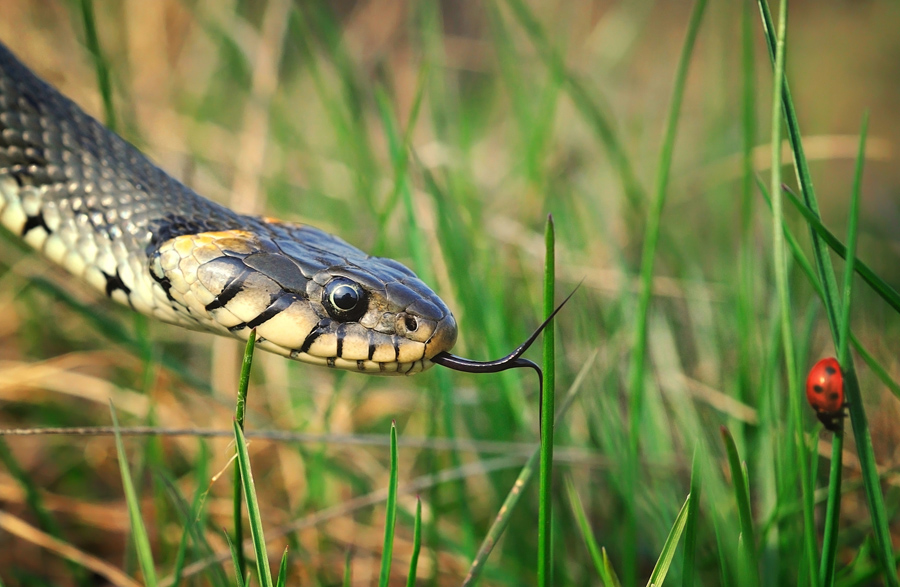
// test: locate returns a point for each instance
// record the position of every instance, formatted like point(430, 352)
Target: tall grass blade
point(783, 292)
point(545, 511)
point(661, 569)
point(237, 493)
point(690, 537)
point(525, 474)
point(584, 527)
point(648, 257)
point(138, 530)
point(282, 570)
point(417, 545)
point(239, 577)
point(346, 582)
point(103, 79)
point(750, 570)
point(833, 506)
point(390, 519)
point(599, 120)
point(881, 287)
point(861, 432)
point(256, 530)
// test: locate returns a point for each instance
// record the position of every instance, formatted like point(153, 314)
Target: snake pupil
point(344, 300)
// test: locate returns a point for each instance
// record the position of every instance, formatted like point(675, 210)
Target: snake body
point(89, 201)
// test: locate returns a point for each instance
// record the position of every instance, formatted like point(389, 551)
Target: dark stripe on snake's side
point(232, 287)
point(281, 304)
point(320, 329)
point(36, 221)
point(114, 282)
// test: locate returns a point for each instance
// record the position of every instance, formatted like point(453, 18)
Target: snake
point(89, 201)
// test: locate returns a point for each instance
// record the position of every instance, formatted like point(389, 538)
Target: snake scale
point(89, 201)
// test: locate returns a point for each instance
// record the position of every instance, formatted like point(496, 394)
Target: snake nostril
point(411, 323)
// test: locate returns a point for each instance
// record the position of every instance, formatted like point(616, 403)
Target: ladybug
point(825, 393)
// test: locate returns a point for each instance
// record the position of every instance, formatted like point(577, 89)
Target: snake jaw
point(344, 317)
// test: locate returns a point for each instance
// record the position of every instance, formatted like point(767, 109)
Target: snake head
point(308, 294)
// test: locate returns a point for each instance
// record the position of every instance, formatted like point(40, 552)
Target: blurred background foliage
point(442, 134)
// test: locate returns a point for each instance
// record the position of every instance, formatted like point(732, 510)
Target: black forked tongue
point(510, 361)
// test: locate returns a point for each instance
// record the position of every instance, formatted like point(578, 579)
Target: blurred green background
point(442, 134)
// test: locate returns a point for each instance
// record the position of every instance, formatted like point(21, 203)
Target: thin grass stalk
point(417, 545)
point(648, 256)
point(138, 530)
point(881, 287)
point(810, 273)
point(390, 520)
point(263, 570)
point(833, 506)
point(239, 577)
point(747, 267)
point(783, 292)
point(525, 474)
point(548, 408)
point(584, 528)
point(237, 494)
point(832, 511)
point(346, 582)
point(690, 536)
point(667, 554)
point(103, 80)
point(750, 572)
point(861, 432)
point(282, 569)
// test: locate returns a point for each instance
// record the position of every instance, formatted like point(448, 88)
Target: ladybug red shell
point(825, 393)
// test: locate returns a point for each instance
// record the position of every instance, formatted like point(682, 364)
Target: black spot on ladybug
point(818, 388)
point(830, 370)
point(834, 395)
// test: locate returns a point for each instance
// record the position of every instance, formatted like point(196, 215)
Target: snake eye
point(344, 300)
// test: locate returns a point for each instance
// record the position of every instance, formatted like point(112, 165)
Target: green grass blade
point(548, 408)
point(138, 530)
point(832, 511)
point(690, 537)
point(237, 493)
point(346, 582)
point(661, 569)
point(833, 506)
point(648, 257)
point(783, 292)
point(609, 573)
point(282, 569)
point(417, 545)
point(599, 121)
point(103, 79)
point(876, 367)
point(882, 288)
point(518, 489)
point(750, 572)
point(239, 578)
point(256, 529)
point(823, 262)
point(390, 514)
point(600, 563)
point(861, 432)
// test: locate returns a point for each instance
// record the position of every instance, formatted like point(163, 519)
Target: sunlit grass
point(444, 139)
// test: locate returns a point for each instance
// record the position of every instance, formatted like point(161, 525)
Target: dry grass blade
point(25, 531)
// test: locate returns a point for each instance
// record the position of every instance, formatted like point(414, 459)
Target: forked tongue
point(510, 361)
